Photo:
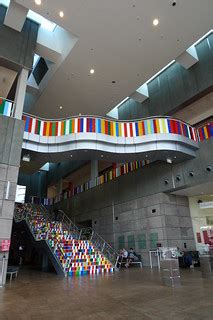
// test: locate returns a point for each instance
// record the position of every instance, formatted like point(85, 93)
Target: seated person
point(132, 256)
point(187, 259)
point(123, 254)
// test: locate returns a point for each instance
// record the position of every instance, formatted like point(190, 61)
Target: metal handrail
point(104, 118)
point(82, 234)
point(25, 217)
point(7, 99)
point(71, 227)
point(99, 242)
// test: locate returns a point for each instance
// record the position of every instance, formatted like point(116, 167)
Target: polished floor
point(129, 294)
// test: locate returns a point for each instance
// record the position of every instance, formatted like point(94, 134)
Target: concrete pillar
point(94, 172)
point(20, 93)
point(11, 132)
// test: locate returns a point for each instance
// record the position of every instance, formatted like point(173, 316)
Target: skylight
point(5, 2)
point(35, 60)
point(46, 24)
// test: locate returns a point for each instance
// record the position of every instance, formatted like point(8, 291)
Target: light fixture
point(61, 107)
point(26, 158)
point(155, 22)
point(38, 2)
point(61, 14)
point(102, 155)
point(92, 71)
point(168, 160)
point(71, 155)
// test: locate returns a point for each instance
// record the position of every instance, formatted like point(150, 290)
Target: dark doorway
point(85, 224)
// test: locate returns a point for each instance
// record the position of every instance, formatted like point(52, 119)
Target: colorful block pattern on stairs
point(77, 257)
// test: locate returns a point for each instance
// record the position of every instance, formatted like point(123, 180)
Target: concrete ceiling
point(197, 111)
point(117, 39)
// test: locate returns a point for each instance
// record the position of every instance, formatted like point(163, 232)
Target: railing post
point(92, 235)
point(80, 233)
point(103, 247)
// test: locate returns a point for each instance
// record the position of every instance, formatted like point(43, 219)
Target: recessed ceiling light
point(61, 107)
point(38, 2)
point(155, 22)
point(92, 71)
point(61, 14)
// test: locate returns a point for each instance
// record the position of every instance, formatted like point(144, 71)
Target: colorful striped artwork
point(108, 127)
point(5, 107)
point(205, 132)
point(108, 176)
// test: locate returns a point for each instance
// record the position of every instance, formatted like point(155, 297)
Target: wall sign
point(5, 245)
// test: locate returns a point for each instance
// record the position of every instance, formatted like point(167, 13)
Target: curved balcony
point(88, 137)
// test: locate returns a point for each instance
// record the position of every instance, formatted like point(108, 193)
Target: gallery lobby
point(106, 159)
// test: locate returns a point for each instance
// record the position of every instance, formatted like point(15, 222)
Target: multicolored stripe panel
point(5, 107)
point(205, 132)
point(108, 127)
point(77, 257)
point(106, 177)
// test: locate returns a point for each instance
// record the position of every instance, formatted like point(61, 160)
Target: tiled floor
point(128, 294)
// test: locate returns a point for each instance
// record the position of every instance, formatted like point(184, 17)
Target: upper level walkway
point(156, 138)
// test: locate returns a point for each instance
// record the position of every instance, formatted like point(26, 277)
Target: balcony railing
point(6, 107)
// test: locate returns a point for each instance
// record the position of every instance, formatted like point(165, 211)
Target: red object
point(198, 237)
point(5, 245)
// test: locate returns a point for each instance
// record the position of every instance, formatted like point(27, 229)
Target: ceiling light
point(92, 71)
point(155, 22)
point(26, 158)
point(61, 107)
point(61, 14)
point(168, 160)
point(38, 2)
point(102, 156)
point(71, 155)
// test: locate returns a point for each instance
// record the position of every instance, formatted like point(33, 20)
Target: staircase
point(74, 251)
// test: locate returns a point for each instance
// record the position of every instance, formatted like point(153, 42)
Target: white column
point(20, 93)
point(94, 172)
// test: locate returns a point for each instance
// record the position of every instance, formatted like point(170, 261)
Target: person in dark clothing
point(132, 256)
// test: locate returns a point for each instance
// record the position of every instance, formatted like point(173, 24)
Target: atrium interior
point(106, 159)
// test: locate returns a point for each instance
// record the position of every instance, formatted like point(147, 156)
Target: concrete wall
point(18, 47)
point(11, 133)
point(136, 209)
point(36, 184)
point(174, 87)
